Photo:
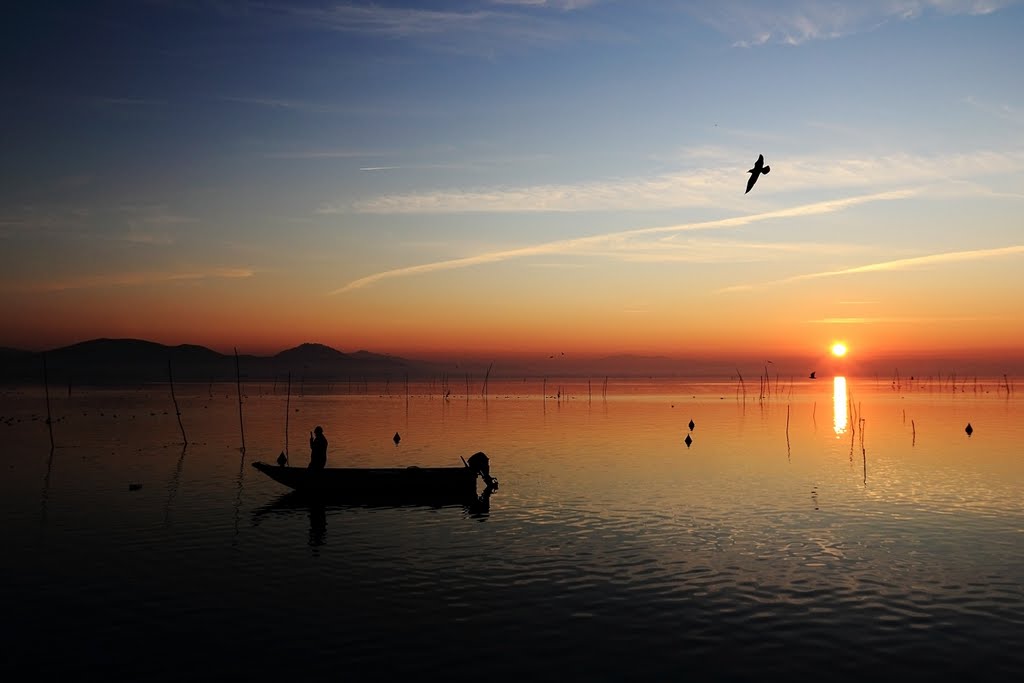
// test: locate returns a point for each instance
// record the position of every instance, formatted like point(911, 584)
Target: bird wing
point(760, 161)
point(753, 179)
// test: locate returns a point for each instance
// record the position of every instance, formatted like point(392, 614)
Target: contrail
point(570, 245)
point(898, 264)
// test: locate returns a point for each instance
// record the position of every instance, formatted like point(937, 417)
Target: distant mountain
point(318, 361)
point(106, 361)
point(310, 353)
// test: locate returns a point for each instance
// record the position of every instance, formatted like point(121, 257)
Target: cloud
point(129, 279)
point(562, 5)
point(751, 23)
point(327, 154)
point(1004, 111)
point(303, 106)
point(616, 240)
point(900, 320)
point(714, 181)
point(483, 31)
point(897, 264)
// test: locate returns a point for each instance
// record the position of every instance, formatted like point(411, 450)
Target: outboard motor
point(482, 466)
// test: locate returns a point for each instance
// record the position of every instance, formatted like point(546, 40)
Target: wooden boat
point(405, 483)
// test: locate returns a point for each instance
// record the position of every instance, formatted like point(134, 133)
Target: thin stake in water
point(46, 388)
point(238, 383)
point(177, 411)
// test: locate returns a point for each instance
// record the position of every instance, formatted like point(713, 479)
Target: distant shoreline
point(136, 362)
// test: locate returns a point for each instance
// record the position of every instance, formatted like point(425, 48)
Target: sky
point(515, 176)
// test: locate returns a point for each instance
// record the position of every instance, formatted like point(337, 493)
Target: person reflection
point(317, 524)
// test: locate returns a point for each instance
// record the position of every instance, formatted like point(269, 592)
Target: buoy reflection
point(839, 417)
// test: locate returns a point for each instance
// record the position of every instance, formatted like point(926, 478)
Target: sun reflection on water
point(839, 418)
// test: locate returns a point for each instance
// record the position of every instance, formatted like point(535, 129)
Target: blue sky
point(332, 160)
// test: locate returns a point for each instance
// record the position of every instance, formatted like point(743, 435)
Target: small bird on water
point(396, 438)
point(969, 429)
point(812, 375)
point(758, 169)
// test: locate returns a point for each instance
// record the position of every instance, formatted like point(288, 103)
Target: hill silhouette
point(113, 361)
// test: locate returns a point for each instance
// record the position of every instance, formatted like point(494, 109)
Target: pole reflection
point(839, 417)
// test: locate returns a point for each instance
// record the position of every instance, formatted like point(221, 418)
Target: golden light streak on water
point(839, 417)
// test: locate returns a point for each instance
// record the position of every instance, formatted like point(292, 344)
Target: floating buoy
point(397, 438)
point(969, 429)
point(688, 440)
point(692, 425)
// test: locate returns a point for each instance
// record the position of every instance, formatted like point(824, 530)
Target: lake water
point(838, 528)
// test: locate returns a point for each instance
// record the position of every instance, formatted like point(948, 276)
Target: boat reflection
point(476, 506)
point(840, 418)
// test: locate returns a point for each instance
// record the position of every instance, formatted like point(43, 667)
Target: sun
point(839, 349)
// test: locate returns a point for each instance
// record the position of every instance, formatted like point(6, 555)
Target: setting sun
point(839, 349)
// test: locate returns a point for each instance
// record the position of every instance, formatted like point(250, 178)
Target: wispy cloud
point(485, 30)
point(562, 5)
point(897, 264)
point(901, 320)
point(1002, 111)
point(750, 23)
point(328, 154)
point(128, 279)
point(151, 225)
point(616, 242)
point(712, 181)
point(302, 106)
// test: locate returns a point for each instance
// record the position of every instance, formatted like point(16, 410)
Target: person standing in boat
point(317, 449)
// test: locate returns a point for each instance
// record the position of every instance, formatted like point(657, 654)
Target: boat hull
point(400, 483)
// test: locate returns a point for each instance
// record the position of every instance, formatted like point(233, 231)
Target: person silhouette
point(317, 449)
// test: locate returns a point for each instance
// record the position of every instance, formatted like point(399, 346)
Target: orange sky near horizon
point(491, 319)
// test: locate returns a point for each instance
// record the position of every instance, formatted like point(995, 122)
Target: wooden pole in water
point(788, 449)
point(46, 388)
point(238, 383)
point(287, 413)
point(487, 377)
point(177, 411)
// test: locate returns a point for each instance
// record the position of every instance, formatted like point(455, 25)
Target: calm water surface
point(834, 528)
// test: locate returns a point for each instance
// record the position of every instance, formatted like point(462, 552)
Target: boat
point(399, 483)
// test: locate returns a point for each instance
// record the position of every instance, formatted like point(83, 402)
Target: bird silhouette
point(758, 169)
point(812, 375)
point(396, 438)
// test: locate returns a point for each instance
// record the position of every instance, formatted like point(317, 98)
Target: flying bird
point(758, 169)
